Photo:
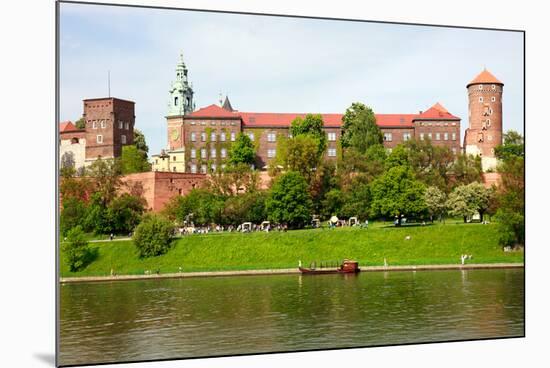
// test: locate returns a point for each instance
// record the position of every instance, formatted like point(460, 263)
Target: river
point(178, 318)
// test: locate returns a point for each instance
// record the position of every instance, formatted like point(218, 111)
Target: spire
point(181, 92)
point(227, 105)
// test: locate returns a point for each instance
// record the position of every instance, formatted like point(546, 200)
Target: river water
point(179, 318)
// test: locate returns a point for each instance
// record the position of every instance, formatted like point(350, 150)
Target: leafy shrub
point(153, 235)
point(77, 252)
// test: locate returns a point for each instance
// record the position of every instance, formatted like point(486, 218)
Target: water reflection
point(152, 319)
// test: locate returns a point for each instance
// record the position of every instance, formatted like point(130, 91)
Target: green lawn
point(431, 244)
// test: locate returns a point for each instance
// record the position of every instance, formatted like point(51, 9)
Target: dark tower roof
point(227, 105)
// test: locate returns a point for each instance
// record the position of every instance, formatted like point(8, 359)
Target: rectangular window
point(224, 153)
point(193, 153)
point(203, 169)
point(193, 136)
point(120, 124)
point(421, 136)
point(213, 153)
point(203, 152)
point(213, 136)
point(127, 126)
point(454, 150)
point(271, 137)
point(331, 136)
point(232, 136)
point(454, 136)
point(222, 136)
point(103, 124)
point(251, 136)
point(437, 136)
point(99, 139)
point(332, 152)
point(406, 136)
point(123, 139)
point(446, 136)
point(213, 167)
point(203, 136)
point(193, 168)
point(223, 166)
point(271, 153)
point(387, 137)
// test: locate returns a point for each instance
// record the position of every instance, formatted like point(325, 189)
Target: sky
point(277, 64)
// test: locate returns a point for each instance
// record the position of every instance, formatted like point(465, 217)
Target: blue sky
point(277, 64)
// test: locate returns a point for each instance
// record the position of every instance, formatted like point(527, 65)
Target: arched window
point(74, 140)
point(175, 101)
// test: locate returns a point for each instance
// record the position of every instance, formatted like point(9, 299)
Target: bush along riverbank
point(436, 244)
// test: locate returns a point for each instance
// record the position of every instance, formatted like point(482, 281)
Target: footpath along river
point(191, 317)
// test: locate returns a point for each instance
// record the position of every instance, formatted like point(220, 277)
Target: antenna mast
point(109, 82)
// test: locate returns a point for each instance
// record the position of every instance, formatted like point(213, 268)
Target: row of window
point(103, 124)
point(213, 137)
point(204, 168)
point(437, 123)
point(493, 87)
point(213, 123)
point(271, 153)
point(99, 139)
point(388, 137)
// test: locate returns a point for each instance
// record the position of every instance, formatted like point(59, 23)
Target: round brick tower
point(484, 131)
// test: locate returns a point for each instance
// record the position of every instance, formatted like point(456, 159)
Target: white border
point(27, 185)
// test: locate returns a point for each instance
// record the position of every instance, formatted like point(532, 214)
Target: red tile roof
point(485, 77)
point(276, 119)
point(436, 112)
point(66, 126)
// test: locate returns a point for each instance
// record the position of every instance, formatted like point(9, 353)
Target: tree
point(333, 202)
point(80, 123)
point(289, 201)
point(139, 142)
point(242, 151)
point(153, 236)
point(436, 202)
point(311, 125)
point(105, 175)
point(360, 130)
point(72, 214)
point(133, 160)
point(431, 164)
point(511, 191)
point(67, 161)
point(398, 193)
point(124, 213)
point(77, 252)
point(365, 167)
point(206, 207)
point(467, 200)
point(235, 179)
point(466, 169)
point(399, 156)
point(245, 207)
point(299, 153)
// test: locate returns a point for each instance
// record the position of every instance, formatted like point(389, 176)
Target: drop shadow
point(46, 358)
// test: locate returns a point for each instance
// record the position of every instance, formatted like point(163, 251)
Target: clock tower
point(180, 103)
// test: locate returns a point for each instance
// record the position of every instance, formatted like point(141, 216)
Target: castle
point(199, 140)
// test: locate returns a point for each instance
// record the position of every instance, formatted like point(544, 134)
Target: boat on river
point(347, 266)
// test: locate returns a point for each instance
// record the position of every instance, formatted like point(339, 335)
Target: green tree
point(206, 207)
point(77, 252)
point(397, 193)
point(399, 156)
point(466, 169)
point(105, 175)
point(72, 214)
point(360, 130)
point(511, 191)
point(436, 202)
point(235, 179)
point(333, 202)
point(289, 201)
point(139, 142)
point(80, 123)
point(153, 236)
point(242, 151)
point(245, 207)
point(96, 218)
point(467, 200)
point(311, 125)
point(299, 153)
point(431, 164)
point(133, 160)
point(124, 213)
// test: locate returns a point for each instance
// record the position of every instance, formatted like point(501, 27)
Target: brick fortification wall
point(160, 187)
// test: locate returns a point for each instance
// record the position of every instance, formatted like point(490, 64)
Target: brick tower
point(109, 126)
point(484, 131)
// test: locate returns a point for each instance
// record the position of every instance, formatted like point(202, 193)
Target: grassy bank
point(433, 244)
